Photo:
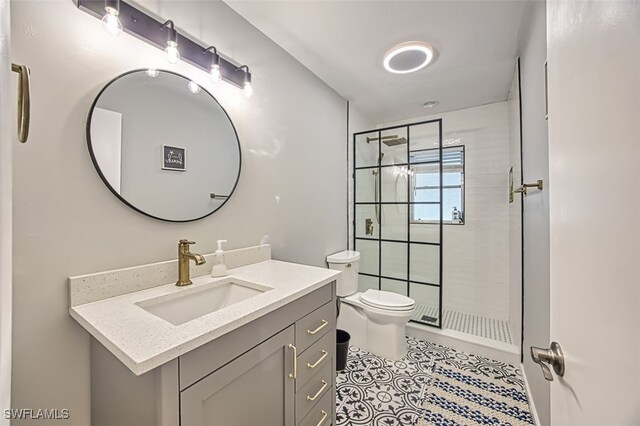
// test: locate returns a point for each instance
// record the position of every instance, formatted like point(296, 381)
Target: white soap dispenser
point(219, 268)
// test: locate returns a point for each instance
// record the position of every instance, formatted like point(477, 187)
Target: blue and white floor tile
point(376, 391)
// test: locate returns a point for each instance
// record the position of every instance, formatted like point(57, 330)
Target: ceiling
point(343, 43)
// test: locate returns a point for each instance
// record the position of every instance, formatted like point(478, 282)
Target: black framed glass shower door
point(399, 253)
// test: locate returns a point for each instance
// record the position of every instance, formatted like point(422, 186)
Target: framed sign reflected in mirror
point(141, 117)
point(174, 158)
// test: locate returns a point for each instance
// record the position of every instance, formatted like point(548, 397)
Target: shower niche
point(399, 253)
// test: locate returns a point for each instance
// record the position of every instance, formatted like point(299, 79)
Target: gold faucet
point(183, 262)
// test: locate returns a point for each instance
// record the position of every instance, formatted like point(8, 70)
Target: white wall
point(292, 189)
point(476, 254)
point(535, 154)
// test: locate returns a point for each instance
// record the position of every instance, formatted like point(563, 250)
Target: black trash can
point(342, 349)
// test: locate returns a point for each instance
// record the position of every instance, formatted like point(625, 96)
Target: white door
point(594, 161)
point(7, 139)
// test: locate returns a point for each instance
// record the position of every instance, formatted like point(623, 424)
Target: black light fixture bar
point(144, 27)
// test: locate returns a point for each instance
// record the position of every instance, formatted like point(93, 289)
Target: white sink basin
point(195, 302)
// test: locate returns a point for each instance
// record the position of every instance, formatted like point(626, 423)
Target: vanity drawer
point(315, 358)
point(321, 414)
point(311, 393)
point(314, 326)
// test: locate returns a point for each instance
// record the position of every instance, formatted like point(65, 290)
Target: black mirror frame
point(106, 182)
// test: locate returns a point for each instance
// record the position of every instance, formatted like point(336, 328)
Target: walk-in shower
point(432, 221)
point(399, 253)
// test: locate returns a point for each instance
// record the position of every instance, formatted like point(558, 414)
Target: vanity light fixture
point(110, 22)
point(173, 56)
point(216, 76)
point(193, 87)
point(248, 90)
point(164, 35)
point(408, 57)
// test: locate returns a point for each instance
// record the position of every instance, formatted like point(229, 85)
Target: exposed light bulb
point(248, 90)
point(215, 73)
point(152, 72)
point(193, 87)
point(111, 23)
point(172, 52)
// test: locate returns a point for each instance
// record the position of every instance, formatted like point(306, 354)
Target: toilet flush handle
point(348, 265)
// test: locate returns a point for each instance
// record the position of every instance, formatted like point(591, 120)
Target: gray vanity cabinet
point(278, 369)
point(253, 389)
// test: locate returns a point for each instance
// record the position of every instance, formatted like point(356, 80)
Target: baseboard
point(532, 404)
point(492, 349)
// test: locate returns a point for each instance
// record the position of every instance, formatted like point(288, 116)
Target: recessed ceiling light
point(430, 104)
point(408, 57)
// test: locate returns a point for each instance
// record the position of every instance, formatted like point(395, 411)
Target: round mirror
point(163, 145)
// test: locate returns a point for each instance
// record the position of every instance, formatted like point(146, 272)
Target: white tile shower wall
point(66, 222)
point(476, 254)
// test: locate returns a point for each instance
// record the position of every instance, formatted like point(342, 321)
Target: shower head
point(394, 142)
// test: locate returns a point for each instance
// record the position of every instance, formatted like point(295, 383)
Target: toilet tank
point(346, 261)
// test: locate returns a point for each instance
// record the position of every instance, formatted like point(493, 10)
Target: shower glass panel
point(394, 184)
point(367, 149)
point(428, 310)
point(393, 260)
point(366, 282)
point(425, 263)
point(394, 222)
point(369, 257)
point(400, 254)
point(395, 286)
point(366, 185)
point(393, 146)
point(365, 222)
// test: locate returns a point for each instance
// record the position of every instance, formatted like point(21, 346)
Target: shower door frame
point(408, 203)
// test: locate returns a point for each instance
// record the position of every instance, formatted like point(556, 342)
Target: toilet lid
point(387, 300)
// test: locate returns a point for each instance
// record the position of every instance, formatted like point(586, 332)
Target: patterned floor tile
point(375, 391)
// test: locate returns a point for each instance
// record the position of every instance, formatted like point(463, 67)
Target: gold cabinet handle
point(324, 324)
point(324, 386)
point(294, 374)
point(315, 364)
point(324, 417)
point(24, 101)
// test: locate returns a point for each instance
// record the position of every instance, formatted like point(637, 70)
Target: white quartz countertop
point(143, 341)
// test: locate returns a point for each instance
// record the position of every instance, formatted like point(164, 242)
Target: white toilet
point(375, 319)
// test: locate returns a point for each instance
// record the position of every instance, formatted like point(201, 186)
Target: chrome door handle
point(24, 101)
point(552, 356)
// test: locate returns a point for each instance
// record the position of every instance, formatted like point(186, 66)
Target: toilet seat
point(387, 301)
